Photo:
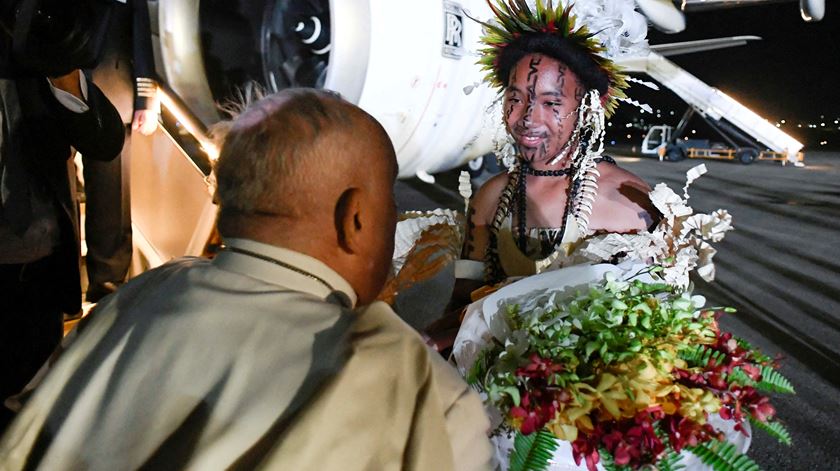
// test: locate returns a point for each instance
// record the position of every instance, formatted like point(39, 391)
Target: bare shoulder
point(615, 177)
point(487, 197)
point(623, 204)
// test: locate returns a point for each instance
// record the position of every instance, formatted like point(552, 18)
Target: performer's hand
point(145, 121)
point(70, 83)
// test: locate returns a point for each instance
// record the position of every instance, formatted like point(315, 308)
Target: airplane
point(371, 52)
point(410, 64)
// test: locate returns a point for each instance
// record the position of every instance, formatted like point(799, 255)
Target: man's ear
point(348, 221)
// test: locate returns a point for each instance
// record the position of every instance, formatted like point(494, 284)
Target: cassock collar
point(256, 267)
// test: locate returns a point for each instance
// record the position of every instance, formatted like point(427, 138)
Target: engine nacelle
point(663, 14)
point(812, 10)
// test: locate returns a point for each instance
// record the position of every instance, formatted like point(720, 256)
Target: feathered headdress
point(602, 29)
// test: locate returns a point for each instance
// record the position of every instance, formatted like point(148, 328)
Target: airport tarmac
point(780, 268)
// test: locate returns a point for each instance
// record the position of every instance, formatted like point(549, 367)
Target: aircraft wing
point(668, 17)
point(687, 47)
point(811, 10)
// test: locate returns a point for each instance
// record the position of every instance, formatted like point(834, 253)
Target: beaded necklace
point(515, 191)
point(522, 202)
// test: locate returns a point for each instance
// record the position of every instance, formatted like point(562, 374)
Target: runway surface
point(780, 268)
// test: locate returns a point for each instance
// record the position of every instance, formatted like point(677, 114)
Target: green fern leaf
point(772, 380)
point(713, 356)
point(738, 376)
point(608, 463)
point(702, 355)
point(670, 462)
point(606, 460)
point(691, 353)
point(532, 452)
point(757, 356)
point(744, 344)
point(723, 456)
point(774, 429)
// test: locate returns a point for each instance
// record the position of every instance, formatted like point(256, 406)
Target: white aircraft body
point(408, 63)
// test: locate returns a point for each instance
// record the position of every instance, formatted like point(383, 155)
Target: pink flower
point(585, 449)
point(539, 368)
point(752, 371)
point(683, 432)
point(535, 410)
point(539, 401)
point(740, 402)
point(631, 442)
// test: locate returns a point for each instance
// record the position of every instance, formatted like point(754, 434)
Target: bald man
point(266, 356)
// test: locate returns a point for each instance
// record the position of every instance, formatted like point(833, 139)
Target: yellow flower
point(668, 406)
point(563, 431)
point(695, 403)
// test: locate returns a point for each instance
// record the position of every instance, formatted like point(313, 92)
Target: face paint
point(540, 101)
point(508, 106)
point(532, 87)
point(561, 78)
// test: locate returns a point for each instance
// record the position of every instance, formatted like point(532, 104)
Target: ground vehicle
point(747, 135)
point(661, 140)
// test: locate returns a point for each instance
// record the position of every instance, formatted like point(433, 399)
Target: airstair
point(722, 111)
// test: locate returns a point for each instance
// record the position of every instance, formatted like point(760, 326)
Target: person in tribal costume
point(558, 83)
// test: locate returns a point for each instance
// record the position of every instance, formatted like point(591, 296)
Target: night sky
point(793, 73)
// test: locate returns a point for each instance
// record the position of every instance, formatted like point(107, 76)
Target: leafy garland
point(628, 372)
point(515, 18)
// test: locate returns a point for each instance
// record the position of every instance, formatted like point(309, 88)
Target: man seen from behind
point(267, 356)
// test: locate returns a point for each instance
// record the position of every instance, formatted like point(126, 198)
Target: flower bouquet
point(628, 372)
point(619, 366)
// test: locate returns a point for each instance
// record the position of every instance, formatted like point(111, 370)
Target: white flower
point(645, 246)
point(670, 204)
point(711, 227)
point(676, 274)
point(705, 267)
point(678, 244)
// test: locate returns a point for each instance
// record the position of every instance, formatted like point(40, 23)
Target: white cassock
point(242, 363)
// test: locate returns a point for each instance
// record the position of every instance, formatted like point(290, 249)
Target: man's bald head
point(287, 152)
point(308, 171)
